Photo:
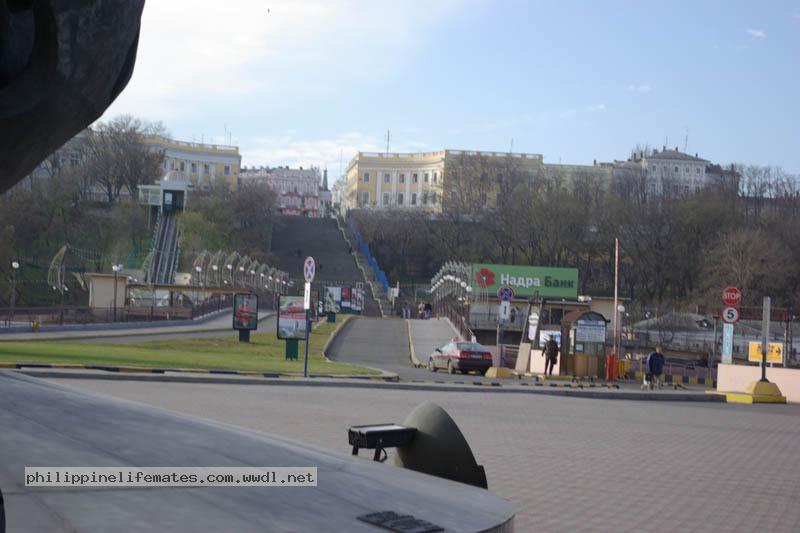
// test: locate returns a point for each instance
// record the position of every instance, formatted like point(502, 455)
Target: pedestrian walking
point(550, 354)
point(421, 310)
point(654, 368)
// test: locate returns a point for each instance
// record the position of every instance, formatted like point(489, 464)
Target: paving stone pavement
point(567, 464)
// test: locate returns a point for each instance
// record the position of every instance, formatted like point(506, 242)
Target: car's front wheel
point(431, 366)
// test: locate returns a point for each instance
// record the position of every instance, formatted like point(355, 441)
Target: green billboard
point(526, 280)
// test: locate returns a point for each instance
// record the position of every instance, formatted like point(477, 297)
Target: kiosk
point(583, 347)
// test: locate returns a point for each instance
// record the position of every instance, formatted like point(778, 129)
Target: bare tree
point(116, 158)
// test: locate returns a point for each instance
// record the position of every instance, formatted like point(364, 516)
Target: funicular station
point(163, 286)
point(514, 309)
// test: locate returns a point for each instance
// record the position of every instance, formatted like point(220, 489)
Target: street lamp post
point(13, 299)
point(200, 277)
point(116, 269)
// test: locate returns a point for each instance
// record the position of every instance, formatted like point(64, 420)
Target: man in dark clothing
point(654, 367)
point(550, 353)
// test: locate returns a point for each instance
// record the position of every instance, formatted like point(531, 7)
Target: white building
point(297, 189)
point(665, 173)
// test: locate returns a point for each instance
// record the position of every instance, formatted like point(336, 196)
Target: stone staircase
point(375, 287)
point(294, 238)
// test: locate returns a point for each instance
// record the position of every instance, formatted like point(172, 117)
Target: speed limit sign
point(730, 315)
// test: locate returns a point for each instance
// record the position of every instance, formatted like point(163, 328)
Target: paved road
point(383, 343)
point(566, 464)
point(221, 323)
point(427, 335)
point(46, 424)
point(266, 324)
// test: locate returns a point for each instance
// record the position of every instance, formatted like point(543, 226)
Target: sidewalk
point(223, 323)
point(385, 382)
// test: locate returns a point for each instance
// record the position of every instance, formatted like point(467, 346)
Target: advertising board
point(291, 317)
point(547, 282)
point(245, 312)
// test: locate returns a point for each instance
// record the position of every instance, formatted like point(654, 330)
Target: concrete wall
point(736, 378)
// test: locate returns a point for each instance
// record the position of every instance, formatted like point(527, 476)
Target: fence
point(60, 315)
point(457, 319)
point(364, 249)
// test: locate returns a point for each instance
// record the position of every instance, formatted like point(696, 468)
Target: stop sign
point(731, 296)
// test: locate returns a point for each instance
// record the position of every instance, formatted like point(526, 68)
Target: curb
point(388, 377)
point(415, 362)
point(363, 382)
point(333, 335)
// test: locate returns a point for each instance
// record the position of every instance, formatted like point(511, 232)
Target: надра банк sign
point(526, 280)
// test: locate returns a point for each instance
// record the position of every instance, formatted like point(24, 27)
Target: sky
point(311, 82)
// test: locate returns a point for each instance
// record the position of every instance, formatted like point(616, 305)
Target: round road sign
point(730, 315)
point(731, 296)
point(505, 294)
point(309, 269)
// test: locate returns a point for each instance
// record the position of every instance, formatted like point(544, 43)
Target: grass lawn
point(264, 353)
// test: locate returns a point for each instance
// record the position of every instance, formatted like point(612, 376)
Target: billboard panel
point(358, 299)
point(346, 301)
point(774, 352)
point(245, 312)
point(333, 299)
point(291, 317)
point(548, 282)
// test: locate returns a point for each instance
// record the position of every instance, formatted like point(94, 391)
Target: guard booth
point(583, 348)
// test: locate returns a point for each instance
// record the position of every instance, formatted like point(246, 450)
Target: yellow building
point(420, 180)
point(206, 165)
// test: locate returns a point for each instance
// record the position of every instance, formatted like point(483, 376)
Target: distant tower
point(325, 180)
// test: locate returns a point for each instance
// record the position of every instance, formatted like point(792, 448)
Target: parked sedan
point(461, 356)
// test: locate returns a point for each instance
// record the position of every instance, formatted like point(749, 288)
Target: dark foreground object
point(43, 424)
point(62, 63)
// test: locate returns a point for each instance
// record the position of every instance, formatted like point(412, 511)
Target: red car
point(461, 356)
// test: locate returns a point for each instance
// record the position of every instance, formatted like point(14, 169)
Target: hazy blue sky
point(575, 81)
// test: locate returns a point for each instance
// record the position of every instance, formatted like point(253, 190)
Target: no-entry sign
point(731, 296)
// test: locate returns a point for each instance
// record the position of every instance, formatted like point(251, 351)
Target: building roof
point(674, 155)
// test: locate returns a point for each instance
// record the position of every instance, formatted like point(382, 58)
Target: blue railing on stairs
point(364, 249)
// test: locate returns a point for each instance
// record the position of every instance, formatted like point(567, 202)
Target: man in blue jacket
point(655, 367)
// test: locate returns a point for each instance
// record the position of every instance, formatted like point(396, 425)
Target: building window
point(424, 198)
point(73, 159)
point(194, 168)
point(452, 196)
point(697, 170)
point(386, 198)
point(183, 166)
point(386, 178)
point(227, 170)
point(484, 199)
point(413, 198)
point(433, 198)
point(366, 177)
point(400, 199)
point(425, 178)
point(415, 178)
point(205, 169)
point(435, 177)
point(165, 163)
point(365, 199)
point(402, 178)
point(676, 169)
